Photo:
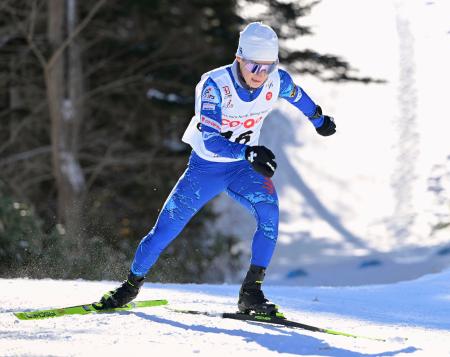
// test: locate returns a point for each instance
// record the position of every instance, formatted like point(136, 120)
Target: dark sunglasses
point(257, 68)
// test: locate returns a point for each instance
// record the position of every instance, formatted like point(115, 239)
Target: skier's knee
point(268, 216)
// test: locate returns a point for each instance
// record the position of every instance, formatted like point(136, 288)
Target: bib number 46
point(243, 138)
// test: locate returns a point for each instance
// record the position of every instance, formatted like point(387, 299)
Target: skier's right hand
point(262, 160)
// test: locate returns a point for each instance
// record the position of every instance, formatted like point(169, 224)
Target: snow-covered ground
point(359, 207)
point(417, 310)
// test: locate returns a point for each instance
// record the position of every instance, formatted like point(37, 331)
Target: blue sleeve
point(211, 124)
point(295, 95)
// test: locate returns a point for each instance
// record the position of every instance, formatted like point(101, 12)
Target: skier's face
point(256, 78)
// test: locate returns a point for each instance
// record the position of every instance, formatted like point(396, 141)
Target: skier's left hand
point(328, 127)
point(262, 160)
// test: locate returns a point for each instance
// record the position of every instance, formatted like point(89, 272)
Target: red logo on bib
point(269, 96)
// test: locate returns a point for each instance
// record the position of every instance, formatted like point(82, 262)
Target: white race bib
point(241, 120)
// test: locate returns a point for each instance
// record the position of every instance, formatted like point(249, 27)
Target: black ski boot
point(123, 294)
point(251, 297)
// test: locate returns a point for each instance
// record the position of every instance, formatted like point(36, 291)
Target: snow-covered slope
point(359, 207)
point(417, 310)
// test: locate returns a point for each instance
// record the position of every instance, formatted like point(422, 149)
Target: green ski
point(84, 309)
point(278, 319)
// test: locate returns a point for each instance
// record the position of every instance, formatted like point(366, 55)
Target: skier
point(231, 103)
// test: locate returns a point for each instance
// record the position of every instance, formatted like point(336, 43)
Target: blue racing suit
point(204, 179)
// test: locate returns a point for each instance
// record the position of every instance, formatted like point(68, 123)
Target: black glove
point(328, 127)
point(262, 160)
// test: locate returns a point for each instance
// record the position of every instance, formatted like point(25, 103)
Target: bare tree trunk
point(75, 115)
point(63, 78)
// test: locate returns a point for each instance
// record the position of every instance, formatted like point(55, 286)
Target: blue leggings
point(202, 181)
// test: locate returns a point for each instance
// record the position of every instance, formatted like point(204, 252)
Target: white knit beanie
point(258, 42)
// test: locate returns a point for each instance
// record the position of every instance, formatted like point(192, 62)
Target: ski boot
point(123, 294)
point(251, 297)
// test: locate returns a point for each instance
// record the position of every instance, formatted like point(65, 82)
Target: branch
point(25, 155)
point(15, 131)
point(75, 33)
point(33, 19)
point(29, 38)
point(111, 85)
point(106, 160)
point(36, 51)
point(5, 5)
